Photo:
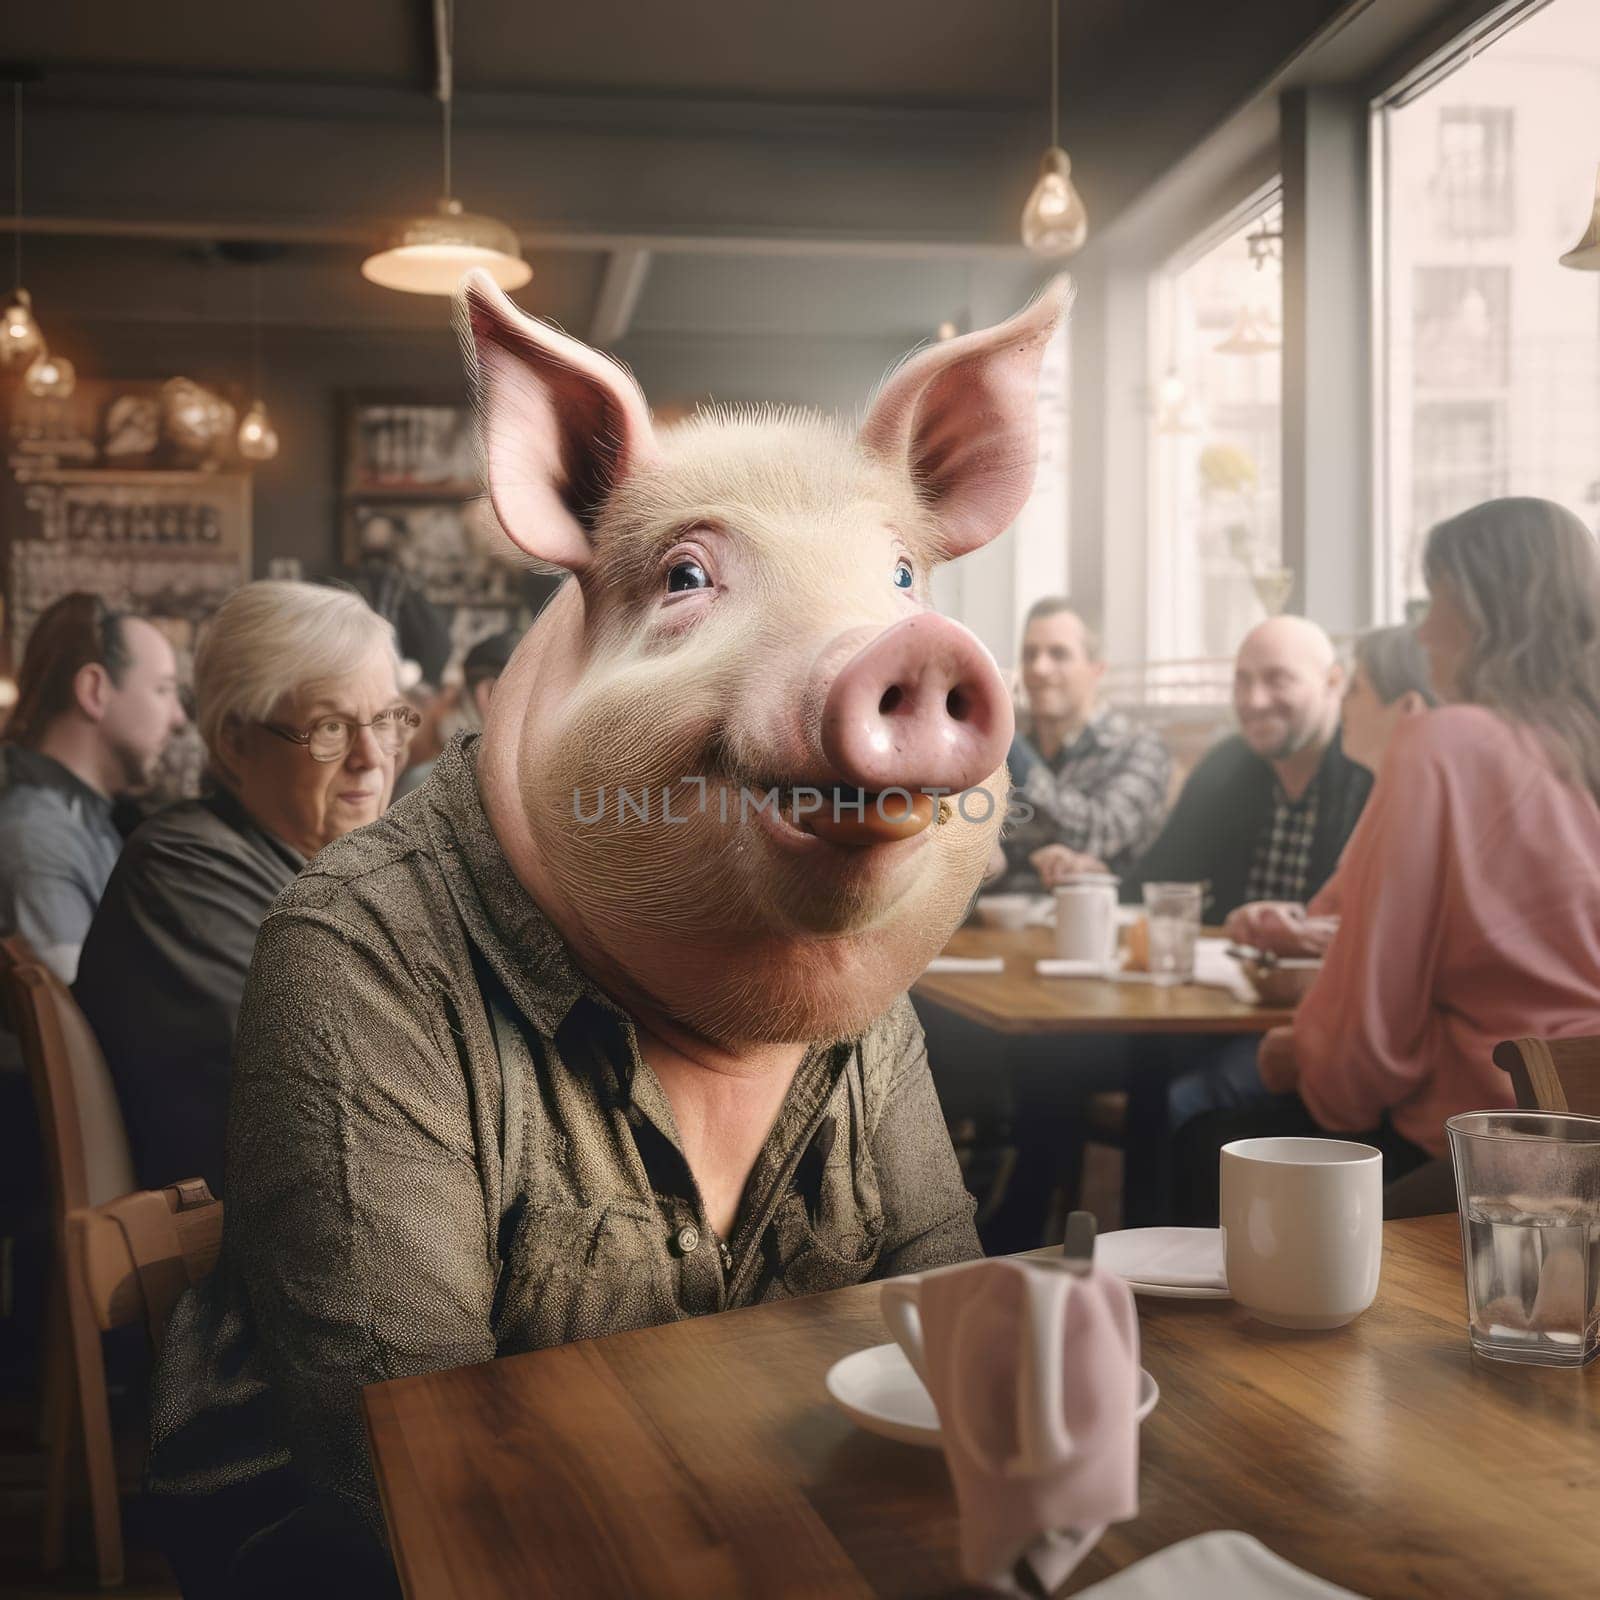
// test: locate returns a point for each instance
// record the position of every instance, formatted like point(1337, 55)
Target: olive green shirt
point(400, 1203)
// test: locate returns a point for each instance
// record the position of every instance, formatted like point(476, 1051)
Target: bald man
point(1266, 813)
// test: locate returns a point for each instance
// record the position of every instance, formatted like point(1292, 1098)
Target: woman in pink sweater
point(1471, 888)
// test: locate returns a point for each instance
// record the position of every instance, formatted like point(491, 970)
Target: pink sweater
point(1470, 898)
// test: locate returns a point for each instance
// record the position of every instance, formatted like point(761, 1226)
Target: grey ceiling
point(883, 51)
point(802, 124)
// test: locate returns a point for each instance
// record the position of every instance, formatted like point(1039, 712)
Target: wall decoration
point(410, 447)
point(412, 496)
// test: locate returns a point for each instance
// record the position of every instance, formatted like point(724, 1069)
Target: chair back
point(1553, 1074)
point(86, 1142)
point(135, 1255)
point(15, 952)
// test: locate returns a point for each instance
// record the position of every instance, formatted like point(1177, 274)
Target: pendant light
point(50, 377)
point(257, 439)
point(1054, 222)
point(20, 338)
point(430, 254)
point(1585, 254)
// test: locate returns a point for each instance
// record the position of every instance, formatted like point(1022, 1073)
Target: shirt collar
point(503, 920)
point(1104, 729)
point(35, 770)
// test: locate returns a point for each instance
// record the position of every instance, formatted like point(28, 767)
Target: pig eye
point(685, 575)
point(902, 574)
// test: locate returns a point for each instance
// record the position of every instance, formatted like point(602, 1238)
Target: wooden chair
point(89, 1166)
point(1553, 1074)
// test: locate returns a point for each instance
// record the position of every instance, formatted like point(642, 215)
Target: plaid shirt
point(1281, 869)
point(1103, 795)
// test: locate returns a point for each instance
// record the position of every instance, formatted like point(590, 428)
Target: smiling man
point(1266, 814)
point(1096, 785)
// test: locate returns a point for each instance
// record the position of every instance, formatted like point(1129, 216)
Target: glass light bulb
point(50, 377)
point(20, 339)
point(947, 330)
point(1172, 393)
point(258, 439)
point(1054, 222)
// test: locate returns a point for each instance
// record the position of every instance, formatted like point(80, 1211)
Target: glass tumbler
point(1172, 914)
point(1528, 1184)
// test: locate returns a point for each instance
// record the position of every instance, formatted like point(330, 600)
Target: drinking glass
point(1172, 915)
point(1528, 1185)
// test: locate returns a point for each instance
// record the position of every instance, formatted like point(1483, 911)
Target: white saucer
point(1176, 1291)
point(1180, 1263)
point(878, 1391)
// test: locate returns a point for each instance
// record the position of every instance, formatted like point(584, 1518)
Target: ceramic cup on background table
point(1086, 920)
point(1302, 1225)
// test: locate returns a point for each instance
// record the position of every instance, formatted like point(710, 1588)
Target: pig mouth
point(844, 815)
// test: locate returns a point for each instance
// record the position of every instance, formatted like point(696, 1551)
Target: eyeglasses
point(331, 738)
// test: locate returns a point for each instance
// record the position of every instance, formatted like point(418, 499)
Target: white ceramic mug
point(1086, 920)
point(1302, 1228)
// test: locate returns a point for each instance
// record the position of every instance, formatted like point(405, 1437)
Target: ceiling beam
point(618, 299)
point(358, 234)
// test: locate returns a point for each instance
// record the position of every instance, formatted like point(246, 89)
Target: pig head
point(696, 759)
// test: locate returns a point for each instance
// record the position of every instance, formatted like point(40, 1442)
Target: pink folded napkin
point(1035, 1374)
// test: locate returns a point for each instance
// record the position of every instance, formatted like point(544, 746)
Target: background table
point(1018, 1002)
point(1033, 1019)
point(704, 1458)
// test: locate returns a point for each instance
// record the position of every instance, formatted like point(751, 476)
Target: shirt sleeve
point(356, 1210)
point(52, 910)
point(927, 1211)
point(1117, 816)
point(1360, 1034)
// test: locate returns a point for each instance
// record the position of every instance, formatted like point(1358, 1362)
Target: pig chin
point(740, 939)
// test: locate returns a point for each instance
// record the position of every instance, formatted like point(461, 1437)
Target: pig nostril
point(958, 705)
point(892, 696)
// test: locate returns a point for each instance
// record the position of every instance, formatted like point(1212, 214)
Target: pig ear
point(962, 419)
point(562, 424)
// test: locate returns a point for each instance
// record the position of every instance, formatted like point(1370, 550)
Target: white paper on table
point(1054, 967)
point(966, 964)
point(1216, 1566)
point(1215, 968)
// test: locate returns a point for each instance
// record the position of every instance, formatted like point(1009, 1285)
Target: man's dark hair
point(1053, 605)
point(79, 630)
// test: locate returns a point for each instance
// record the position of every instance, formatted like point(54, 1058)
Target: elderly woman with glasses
point(304, 724)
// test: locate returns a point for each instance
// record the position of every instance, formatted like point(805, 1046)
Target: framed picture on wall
point(399, 445)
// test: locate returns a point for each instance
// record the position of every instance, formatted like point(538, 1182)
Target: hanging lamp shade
point(50, 377)
point(1585, 254)
point(429, 255)
point(1054, 222)
point(257, 439)
point(20, 338)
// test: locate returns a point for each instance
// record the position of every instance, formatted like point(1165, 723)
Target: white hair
point(271, 640)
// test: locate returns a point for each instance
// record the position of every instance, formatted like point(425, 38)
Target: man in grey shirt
point(97, 701)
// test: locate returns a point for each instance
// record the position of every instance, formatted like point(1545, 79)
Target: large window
point(1489, 359)
point(1216, 545)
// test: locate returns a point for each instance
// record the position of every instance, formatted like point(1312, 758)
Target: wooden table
point(1018, 1002)
point(704, 1458)
point(1033, 1016)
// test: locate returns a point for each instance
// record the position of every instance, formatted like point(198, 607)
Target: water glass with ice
point(1528, 1184)
point(1172, 915)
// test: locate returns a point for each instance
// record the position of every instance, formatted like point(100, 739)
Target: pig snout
point(921, 706)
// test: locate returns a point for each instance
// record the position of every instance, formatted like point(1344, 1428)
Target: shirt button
point(688, 1241)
